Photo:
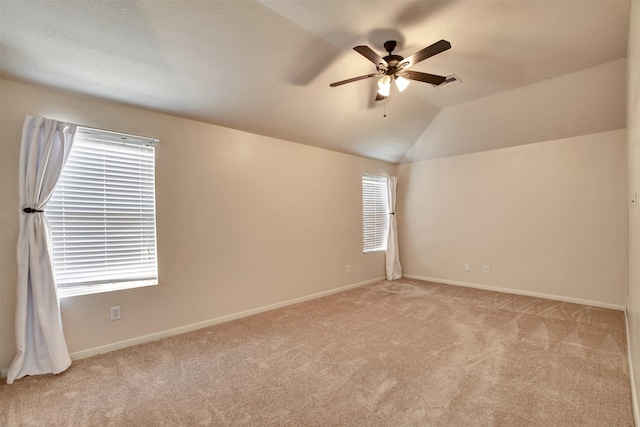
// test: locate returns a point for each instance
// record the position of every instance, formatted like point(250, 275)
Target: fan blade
point(423, 77)
point(380, 97)
point(425, 53)
point(371, 56)
point(355, 79)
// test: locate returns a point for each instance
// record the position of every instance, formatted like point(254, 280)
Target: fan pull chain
point(385, 109)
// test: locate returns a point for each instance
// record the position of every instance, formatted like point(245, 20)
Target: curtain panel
point(40, 343)
point(393, 267)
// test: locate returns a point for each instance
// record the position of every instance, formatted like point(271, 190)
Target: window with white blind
point(102, 214)
point(375, 213)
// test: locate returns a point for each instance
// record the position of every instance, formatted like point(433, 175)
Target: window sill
point(74, 291)
point(374, 251)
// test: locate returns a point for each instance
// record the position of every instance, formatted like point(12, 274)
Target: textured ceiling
point(265, 67)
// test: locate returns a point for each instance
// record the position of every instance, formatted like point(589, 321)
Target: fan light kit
point(384, 86)
point(395, 67)
point(402, 83)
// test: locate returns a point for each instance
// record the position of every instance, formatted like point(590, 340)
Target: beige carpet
point(389, 354)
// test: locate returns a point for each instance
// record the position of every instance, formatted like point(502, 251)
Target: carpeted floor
point(389, 354)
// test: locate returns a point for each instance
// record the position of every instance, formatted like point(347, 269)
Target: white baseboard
point(194, 326)
point(3, 373)
point(634, 393)
point(519, 292)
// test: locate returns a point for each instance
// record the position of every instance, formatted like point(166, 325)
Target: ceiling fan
point(395, 67)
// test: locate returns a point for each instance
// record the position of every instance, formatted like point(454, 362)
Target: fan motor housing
point(394, 62)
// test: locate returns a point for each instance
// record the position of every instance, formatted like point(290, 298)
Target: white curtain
point(394, 270)
point(40, 343)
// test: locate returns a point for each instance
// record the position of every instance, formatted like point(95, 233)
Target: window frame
point(376, 215)
point(122, 148)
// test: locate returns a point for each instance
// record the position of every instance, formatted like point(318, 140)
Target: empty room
point(319, 213)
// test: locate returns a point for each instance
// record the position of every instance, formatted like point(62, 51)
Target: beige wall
point(548, 218)
point(633, 180)
point(243, 221)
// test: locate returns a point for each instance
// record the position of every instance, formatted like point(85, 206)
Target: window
point(102, 214)
point(375, 213)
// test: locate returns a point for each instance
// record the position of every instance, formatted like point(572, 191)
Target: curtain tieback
point(392, 213)
point(31, 210)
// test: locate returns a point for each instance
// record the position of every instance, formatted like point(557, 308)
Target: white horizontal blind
point(102, 212)
point(375, 213)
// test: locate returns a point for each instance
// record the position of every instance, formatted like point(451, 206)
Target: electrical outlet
point(467, 267)
point(115, 313)
point(486, 268)
point(348, 268)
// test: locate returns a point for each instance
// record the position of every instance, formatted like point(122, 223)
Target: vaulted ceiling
point(265, 66)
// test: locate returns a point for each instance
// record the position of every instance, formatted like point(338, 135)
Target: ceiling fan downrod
point(390, 45)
